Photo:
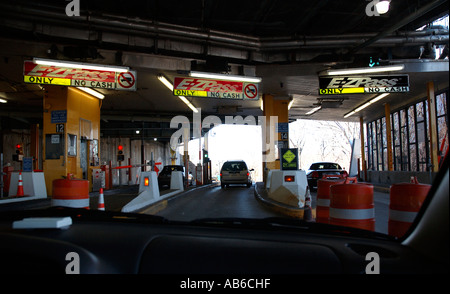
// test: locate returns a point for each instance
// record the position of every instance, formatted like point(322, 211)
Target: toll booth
point(71, 131)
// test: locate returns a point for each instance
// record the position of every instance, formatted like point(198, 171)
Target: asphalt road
point(214, 202)
point(239, 201)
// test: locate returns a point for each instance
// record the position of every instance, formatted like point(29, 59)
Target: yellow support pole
point(433, 128)
point(363, 153)
point(273, 107)
point(387, 113)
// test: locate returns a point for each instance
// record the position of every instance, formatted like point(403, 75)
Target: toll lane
point(239, 201)
point(214, 202)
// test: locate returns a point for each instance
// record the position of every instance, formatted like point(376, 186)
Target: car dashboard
point(123, 244)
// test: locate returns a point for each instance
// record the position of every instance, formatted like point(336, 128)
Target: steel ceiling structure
point(286, 43)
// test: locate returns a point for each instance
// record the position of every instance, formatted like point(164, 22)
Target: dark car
point(166, 173)
point(318, 169)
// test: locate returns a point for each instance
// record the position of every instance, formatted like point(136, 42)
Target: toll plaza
point(103, 102)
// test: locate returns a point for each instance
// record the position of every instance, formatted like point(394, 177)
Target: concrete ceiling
point(287, 43)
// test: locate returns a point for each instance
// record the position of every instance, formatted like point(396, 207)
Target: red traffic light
point(18, 146)
point(120, 147)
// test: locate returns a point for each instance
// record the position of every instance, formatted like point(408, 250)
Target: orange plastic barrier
point(7, 171)
point(71, 192)
point(351, 205)
point(406, 199)
point(323, 196)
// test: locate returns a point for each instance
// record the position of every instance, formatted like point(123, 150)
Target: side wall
point(132, 151)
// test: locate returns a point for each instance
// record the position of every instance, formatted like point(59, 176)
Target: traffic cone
point(307, 213)
point(101, 201)
point(20, 187)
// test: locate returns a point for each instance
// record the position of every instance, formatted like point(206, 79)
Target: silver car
point(235, 172)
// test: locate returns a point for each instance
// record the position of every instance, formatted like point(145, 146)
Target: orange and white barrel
point(323, 196)
point(406, 199)
point(351, 205)
point(71, 192)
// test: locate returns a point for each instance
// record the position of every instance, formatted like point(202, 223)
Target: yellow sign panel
point(46, 80)
point(337, 91)
point(190, 93)
point(289, 156)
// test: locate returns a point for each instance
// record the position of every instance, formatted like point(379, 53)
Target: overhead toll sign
point(337, 85)
point(215, 89)
point(78, 77)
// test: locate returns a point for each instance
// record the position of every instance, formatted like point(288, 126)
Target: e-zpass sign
point(363, 84)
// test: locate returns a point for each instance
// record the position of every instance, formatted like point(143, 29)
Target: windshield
point(234, 166)
point(197, 111)
point(324, 165)
point(170, 168)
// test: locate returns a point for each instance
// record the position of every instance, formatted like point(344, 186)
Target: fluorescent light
point(169, 85)
point(166, 82)
point(290, 104)
point(206, 75)
point(351, 71)
point(378, 97)
point(3, 100)
point(314, 110)
point(359, 108)
point(382, 7)
point(92, 92)
point(192, 107)
point(349, 114)
point(71, 64)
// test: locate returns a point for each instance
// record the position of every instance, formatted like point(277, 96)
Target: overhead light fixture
point(92, 92)
point(206, 75)
point(363, 70)
point(169, 85)
point(71, 64)
point(314, 110)
point(290, 104)
point(382, 7)
point(359, 108)
point(3, 97)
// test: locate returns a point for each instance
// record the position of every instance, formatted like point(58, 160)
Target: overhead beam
point(170, 40)
point(420, 12)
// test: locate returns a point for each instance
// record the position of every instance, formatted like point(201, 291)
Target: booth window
point(54, 146)
point(71, 145)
